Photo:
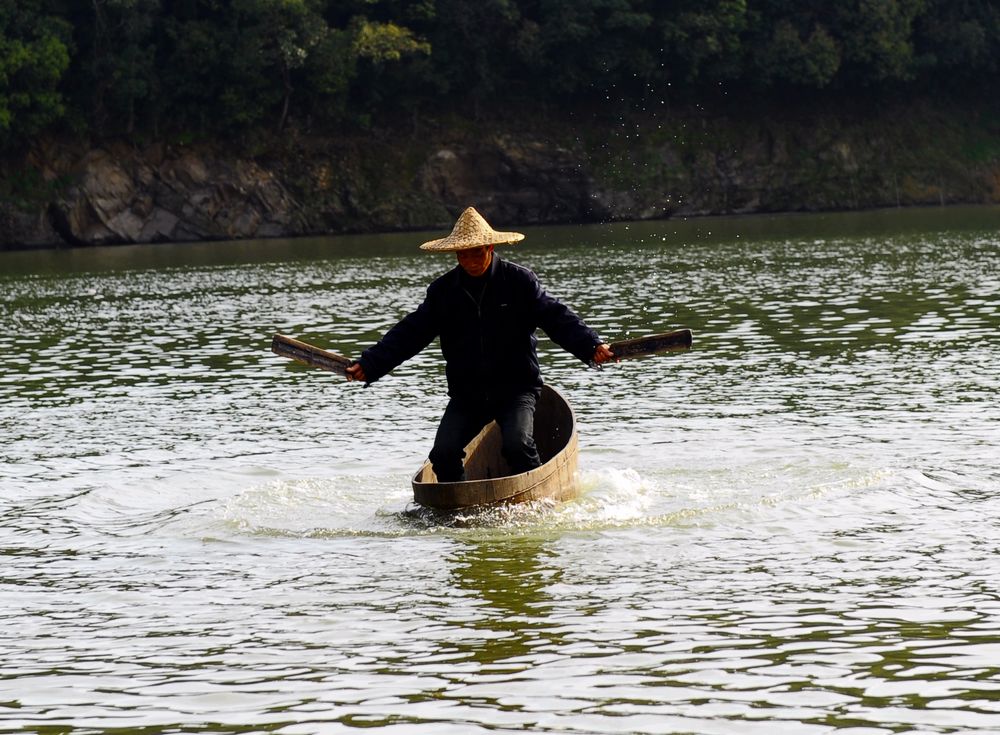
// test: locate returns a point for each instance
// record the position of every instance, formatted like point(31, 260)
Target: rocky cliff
point(116, 193)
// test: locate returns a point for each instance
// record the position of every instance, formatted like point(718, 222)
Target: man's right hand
point(356, 372)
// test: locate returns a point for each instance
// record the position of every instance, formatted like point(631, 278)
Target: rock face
point(25, 227)
point(515, 181)
point(123, 197)
point(119, 194)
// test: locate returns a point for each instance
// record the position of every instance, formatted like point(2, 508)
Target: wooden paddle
point(652, 344)
point(310, 355)
point(626, 349)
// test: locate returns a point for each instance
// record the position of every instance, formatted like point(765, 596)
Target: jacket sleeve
point(563, 326)
point(413, 332)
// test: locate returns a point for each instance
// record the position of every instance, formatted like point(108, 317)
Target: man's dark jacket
point(487, 333)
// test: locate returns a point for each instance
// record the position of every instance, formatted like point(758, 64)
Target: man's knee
point(447, 456)
point(446, 452)
point(518, 442)
point(447, 463)
point(519, 450)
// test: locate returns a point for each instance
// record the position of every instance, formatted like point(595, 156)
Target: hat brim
point(453, 244)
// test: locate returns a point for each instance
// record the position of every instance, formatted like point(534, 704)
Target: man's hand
point(356, 372)
point(603, 353)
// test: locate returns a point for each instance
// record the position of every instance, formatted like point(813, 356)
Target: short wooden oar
point(310, 355)
point(653, 344)
point(626, 349)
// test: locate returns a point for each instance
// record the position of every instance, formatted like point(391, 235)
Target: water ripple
point(790, 528)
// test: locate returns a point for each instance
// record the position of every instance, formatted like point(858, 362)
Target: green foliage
point(959, 37)
point(25, 186)
point(788, 56)
point(878, 38)
point(198, 68)
point(384, 42)
point(705, 38)
point(34, 55)
point(590, 46)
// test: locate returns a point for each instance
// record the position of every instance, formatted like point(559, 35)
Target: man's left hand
point(603, 353)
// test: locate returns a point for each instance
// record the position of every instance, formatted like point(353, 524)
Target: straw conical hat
point(471, 231)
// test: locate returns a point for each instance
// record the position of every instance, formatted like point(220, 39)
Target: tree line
point(220, 68)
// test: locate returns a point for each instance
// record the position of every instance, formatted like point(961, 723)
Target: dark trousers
point(461, 422)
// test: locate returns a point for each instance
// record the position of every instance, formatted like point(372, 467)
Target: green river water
point(792, 528)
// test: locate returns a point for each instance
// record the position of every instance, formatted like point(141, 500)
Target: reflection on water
point(507, 580)
point(792, 527)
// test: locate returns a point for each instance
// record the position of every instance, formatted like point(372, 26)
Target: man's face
point(475, 261)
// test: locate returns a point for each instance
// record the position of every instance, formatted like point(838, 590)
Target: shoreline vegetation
point(157, 121)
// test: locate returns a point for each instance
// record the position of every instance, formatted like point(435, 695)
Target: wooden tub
point(488, 479)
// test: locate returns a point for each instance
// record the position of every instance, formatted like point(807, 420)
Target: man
point(485, 311)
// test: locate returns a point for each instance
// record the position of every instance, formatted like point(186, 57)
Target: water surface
point(791, 528)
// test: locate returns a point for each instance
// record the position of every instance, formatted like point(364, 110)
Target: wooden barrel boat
point(488, 479)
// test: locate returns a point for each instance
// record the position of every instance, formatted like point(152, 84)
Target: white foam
point(610, 497)
point(313, 506)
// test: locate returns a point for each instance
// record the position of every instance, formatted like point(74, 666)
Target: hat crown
point(471, 230)
point(471, 226)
